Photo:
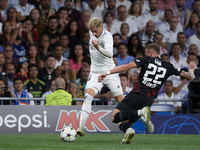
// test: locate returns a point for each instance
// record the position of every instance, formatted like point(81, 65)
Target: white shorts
point(112, 81)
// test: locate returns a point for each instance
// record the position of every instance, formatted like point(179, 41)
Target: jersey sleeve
point(174, 70)
point(140, 61)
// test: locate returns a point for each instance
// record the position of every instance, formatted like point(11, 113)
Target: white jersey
point(101, 63)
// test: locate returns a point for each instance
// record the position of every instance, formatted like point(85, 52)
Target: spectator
point(35, 86)
point(166, 4)
point(46, 10)
point(33, 56)
point(64, 41)
point(116, 41)
point(80, 5)
point(52, 89)
point(191, 27)
point(145, 6)
point(73, 32)
point(2, 61)
point(176, 59)
point(111, 8)
point(58, 52)
point(10, 74)
point(196, 7)
point(164, 26)
point(59, 96)
point(3, 4)
point(5, 91)
point(135, 13)
point(165, 57)
point(158, 37)
point(170, 37)
point(20, 47)
point(85, 40)
point(182, 13)
point(124, 31)
point(124, 84)
point(23, 9)
point(21, 93)
point(83, 80)
point(188, 4)
point(47, 73)
point(52, 31)
point(34, 34)
point(72, 88)
point(8, 53)
point(101, 5)
point(168, 94)
point(37, 21)
point(193, 49)
point(44, 46)
point(6, 32)
point(149, 34)
point(123, 57)
point(56, 4)
point(85, 17)
point(66, 72)
point(108, 22)
point(85, 62)
point(115, 59)
point(134, 45)
point(125, 3)
point(76, 55)
point(12, 17)
point(122, 12)
point(92, 5)
point(22, 69)
point(73, 14)
point(181, 38)
point(195, 39)
point(154, 14)
point(62, 18)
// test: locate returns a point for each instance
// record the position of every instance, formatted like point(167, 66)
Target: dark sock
point(124, 126)
point(124, 115)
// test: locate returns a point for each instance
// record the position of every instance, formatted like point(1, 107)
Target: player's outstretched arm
point(117, 69)
point(189, 75)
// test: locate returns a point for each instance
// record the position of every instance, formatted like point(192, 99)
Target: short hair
point(197, 23)
point(9, 45)
point(48, 56)
point(193, 45)
point(169, 82)
point(32, 65)
point(52, 17)
point(106, 14)
point(63, 34)
point(155, 47)
point(120, 7)
point(174, 44)
point(193, 55)
point(94, 23)
point(120, 44)
point(165, 55)
point(157, 33)
point(62, 9)
point(116, 34)
point(169, 10)
point(16, 79)
point(181, 33)
point(87, 60)
point(9, 64)
point(156, 1)
point(57, 45)
point(123, 75)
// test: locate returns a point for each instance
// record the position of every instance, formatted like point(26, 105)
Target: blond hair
point(94, 23)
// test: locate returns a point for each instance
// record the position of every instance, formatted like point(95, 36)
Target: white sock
point(86, 109)
point(140, 112)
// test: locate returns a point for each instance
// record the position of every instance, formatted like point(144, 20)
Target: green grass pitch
point(99, 142)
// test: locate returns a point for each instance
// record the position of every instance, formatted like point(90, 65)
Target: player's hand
point(95, 44)
point(192, 65)
point(101, 77)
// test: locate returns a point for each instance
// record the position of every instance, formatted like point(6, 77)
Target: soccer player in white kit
point(101, 53)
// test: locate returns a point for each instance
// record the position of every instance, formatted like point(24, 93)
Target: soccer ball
point(68, 134)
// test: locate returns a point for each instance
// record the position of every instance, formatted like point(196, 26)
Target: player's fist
point(101, 77)
point(95, 44)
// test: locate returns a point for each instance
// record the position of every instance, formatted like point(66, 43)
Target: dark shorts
point(134, 101)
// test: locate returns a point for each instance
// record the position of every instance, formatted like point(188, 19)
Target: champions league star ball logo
point(180, 125)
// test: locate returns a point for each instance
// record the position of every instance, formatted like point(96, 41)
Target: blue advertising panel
point(176, 124)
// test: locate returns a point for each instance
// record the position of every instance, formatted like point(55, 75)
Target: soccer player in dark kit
point(154, 72)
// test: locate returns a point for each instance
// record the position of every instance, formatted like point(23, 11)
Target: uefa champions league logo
point(180, 125)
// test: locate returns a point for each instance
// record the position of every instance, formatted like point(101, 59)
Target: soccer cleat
point(128, 136)
point(149, 125)
point(146, 111)
point(80, 131)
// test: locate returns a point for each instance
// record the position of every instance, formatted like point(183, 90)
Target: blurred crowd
point(41, 40)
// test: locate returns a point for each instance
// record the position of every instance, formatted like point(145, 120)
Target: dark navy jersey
point(154, 72)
